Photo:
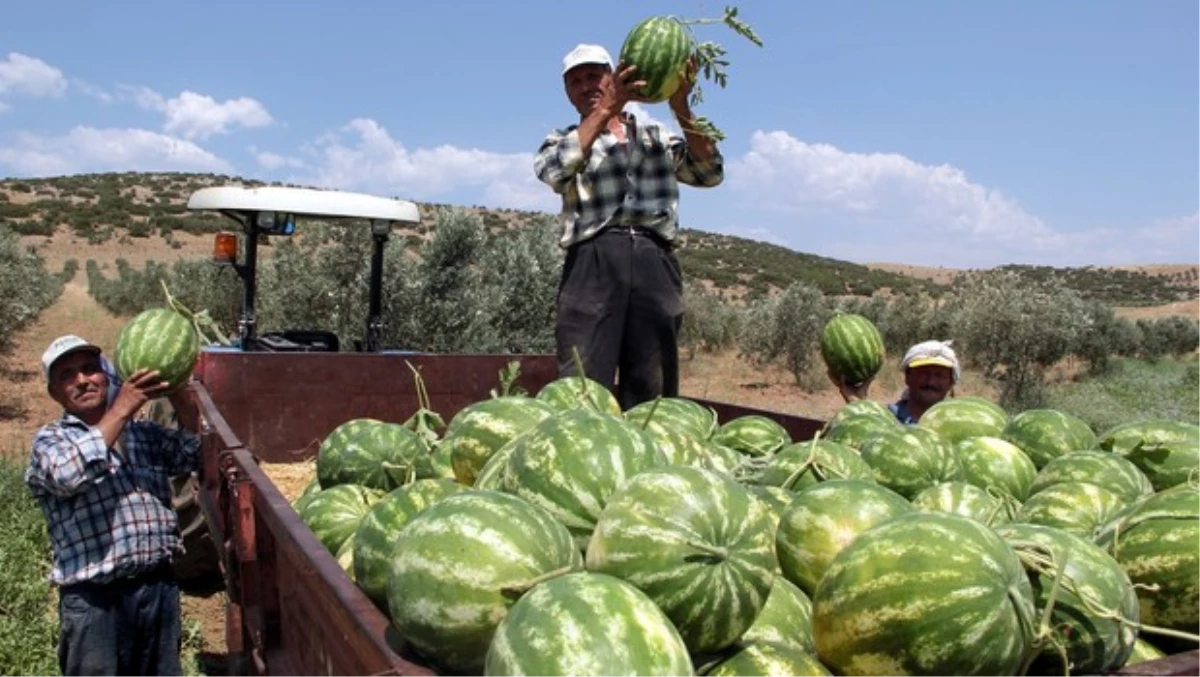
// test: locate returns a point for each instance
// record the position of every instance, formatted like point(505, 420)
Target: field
point(24, 405)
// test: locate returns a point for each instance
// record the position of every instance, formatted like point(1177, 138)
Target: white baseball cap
point(61, 346)
point(586, 54)
point(931, 353)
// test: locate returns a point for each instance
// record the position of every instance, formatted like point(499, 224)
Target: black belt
point(632, 231)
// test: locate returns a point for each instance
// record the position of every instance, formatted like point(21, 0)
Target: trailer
point(291, 609)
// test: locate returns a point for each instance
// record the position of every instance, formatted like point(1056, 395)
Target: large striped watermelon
point(480, 428)
point(569, 392)
point(1045, 434)
point(376, 533)
point(910, 459)
point(1167, 452)
point(859, 408)
point(1106, 469)
point(852, 348)
point(333, 514)
point(803, 464)
point(967, 500)
point(460, 564)
point(659, 47)
point(586, 624)
point(753, 435)
point(1081, 508)
point(769, 659)
point(699, 544)
point(854, 430)
point(571, 463)
point(996, 464)
point(159, 339)
point(1095, 644)
point(375, 454)
point(958, 418)
point(1157, 542)
point(924, 594)
point(678, 412)
point(825, 518)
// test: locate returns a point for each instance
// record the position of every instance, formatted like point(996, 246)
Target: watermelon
point(803, 464)
point(659, 47)
point(699, 544)
point(569, 392)
point(684, 414)
point(1045, 434)
point(159, 339)
point(1078, 507)
point(373, 454)
point(854, 430)
point(1167, 452)
point(1157, 542)
point(825, 518)
point(910, 458)
point(753, 435)
point(1094, 644)
point(586, 624)
point(480, 428)
point(376, 533)
point(785, 619)
point(334, 513)
point(859, 408)
point(852, 348)
point(958, 418)
point(967, 500)
point(996, 464)
point(442, 462)
point(461, 563)
point(310, 490)
point(491, 475)
point(678, 446)
point(770, 659)
point(924, 594)
point(570, 463)
point(1106, 469)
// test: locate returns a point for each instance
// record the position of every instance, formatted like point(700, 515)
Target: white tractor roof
point(303, 202)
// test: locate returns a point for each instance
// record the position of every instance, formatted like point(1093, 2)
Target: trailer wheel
point(198, 569)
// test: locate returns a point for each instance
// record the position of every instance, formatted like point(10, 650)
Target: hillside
point(142, 217)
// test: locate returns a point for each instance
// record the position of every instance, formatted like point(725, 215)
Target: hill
point(142, 216)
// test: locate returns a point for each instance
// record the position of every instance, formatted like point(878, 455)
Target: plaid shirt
point(108, 510)
point(629, 185)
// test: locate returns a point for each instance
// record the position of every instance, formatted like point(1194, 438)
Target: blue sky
point(961, 134)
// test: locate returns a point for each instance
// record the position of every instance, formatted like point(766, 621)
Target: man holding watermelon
point(102, 480)
point(620, 302)
point(931, 371)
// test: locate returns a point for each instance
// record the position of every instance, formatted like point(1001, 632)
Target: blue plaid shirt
point(108, 510)
point(635, 184)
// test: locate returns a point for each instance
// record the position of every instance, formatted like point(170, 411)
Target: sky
point(928, 132)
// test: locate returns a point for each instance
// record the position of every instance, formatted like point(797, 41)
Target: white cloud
point(273, 161)
point(199, 116)
point(92, 90)
point(87, 149)
point(363, 155)
point(20, 74)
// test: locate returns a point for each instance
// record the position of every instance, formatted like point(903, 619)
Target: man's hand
point(679, 100)
point(141, 387)
point(850, 391)
point(187, 409)
point(619, 89)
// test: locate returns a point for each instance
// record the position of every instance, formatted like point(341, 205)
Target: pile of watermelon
point(555, 534)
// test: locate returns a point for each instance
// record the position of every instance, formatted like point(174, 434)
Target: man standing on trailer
point(620, 300)
point(102, 480)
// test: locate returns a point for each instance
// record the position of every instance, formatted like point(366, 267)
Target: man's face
point(583, 85)
point(78, 383)
point(929, 384)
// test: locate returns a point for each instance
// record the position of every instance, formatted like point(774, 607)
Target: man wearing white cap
point(102, 480)
point(620, 301)
point(931, 371)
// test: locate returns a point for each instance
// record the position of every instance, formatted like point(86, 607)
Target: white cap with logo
point(586, 54)
point(62, 346)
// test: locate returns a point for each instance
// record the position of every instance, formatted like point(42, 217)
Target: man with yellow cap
point(931, 371)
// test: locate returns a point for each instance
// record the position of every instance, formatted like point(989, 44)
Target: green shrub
point(26, 287)
point(28, 623)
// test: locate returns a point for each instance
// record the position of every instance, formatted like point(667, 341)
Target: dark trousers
point(128, 627)
point(620, 304)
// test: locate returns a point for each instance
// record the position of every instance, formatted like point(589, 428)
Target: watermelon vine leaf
point(708, 58)
point(425, 422)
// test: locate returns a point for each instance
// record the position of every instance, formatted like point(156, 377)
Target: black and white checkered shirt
point(635, 184)
point(108, 511)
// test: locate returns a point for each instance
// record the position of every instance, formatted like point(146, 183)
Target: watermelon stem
point(424, 421)
point(583, 380)
point(650, 414)
point(517, 590)
point(714, 553)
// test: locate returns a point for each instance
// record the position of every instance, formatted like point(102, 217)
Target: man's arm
point(698, 162)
